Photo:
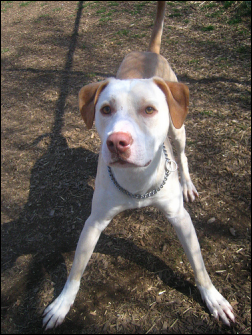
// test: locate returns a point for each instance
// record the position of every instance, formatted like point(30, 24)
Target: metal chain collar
point(168, 168)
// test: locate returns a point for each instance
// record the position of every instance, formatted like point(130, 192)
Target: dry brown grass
point(49, 51)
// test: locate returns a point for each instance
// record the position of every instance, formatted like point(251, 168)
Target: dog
point(134, 113)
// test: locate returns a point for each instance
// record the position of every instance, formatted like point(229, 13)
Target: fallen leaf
point(232, 231)
point(234, 303)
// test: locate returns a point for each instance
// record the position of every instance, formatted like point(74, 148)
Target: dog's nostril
point(110, 144)
point(123, 143)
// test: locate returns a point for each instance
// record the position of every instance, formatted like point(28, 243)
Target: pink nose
point(119, 142)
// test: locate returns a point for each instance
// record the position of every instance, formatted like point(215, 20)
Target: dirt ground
point(138, 279)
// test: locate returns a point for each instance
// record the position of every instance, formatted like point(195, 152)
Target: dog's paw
point(189, 190)
point(217, 304)
point(55, 313)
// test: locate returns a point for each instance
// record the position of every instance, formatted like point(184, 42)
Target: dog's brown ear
point(177, 96)
point(88, 97)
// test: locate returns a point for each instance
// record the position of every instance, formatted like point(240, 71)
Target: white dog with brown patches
point(133, 115)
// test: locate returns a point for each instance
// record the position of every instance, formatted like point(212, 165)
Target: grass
point(210, 5)
point(218, 13)
point(139, 6)
point(4, 50)
point(228, 4)
point(229, 12)
point(193, 61)
point(243, 9)
point(106, 16)
point(25, 3)
point(222, 62)
point(235, 20)
point(122, 32)
point(207, 113)
point(244, 32)
point(41, 17)
point(171, 42)
point(243, 49)
point(105, 19)
point(6, 5)
point(91, 75)
point(176, 13)
point(100, 11)
point(207, 28)
point(214, 114)
point(58, 9)
point(138, 35)
point(113, 3)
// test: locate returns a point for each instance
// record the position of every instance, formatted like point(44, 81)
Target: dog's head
point(132, 116)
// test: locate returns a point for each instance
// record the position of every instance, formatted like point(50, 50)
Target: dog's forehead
point(136, 88)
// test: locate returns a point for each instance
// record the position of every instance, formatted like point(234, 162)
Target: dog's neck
point(143, 179)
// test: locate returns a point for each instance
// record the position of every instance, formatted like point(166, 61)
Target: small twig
point(173, 323)
point(187, 310)
point(151, 328)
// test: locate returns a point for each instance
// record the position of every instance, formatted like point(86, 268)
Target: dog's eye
point(149, 110)
point(106, 110)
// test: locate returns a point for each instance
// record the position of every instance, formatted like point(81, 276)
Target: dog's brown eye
point(106, 110)
point(149, 110)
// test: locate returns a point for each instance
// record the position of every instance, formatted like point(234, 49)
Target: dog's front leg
point(55, 313)
point(178, 137)
point(216, 303)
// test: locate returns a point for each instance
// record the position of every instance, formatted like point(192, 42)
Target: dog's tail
point(155, 41)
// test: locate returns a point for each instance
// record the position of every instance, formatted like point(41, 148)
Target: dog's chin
point(127, 164)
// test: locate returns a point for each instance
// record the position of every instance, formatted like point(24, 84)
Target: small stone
point(211, 220)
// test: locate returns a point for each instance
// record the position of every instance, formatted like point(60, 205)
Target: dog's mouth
point(120, 162)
